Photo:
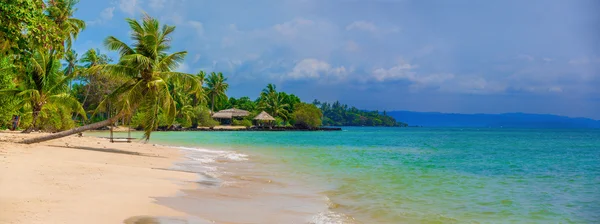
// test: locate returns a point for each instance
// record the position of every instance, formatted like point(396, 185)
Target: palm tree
point(275, 105)
point(41, 83)
point(90, 59)
point(61, 12)
point(148, 68)
point(71, 64)
point(217, 87)
point(274, 102)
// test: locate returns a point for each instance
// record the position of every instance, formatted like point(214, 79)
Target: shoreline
point(88, 180)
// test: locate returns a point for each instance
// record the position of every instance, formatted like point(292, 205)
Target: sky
point(535, 56)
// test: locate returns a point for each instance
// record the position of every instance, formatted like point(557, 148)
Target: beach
point(86, 180)
point(359, 175)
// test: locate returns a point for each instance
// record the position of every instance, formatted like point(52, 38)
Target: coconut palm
point(216, 86)
point(41, 83)
point(61, 12)
point(148, 69)
point(71, 64)
point(95, 79)
point(275, 104)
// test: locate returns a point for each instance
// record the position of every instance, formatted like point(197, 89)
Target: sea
point(390, 175)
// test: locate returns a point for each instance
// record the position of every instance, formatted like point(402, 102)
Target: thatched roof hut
point(264, 116)
point(230, 113)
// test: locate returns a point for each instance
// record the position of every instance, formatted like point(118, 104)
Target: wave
point(210, 155)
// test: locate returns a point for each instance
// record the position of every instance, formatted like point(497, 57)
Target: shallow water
point(408, 175)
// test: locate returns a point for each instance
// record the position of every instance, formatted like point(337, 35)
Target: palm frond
point(114, 44)
point(68, 101)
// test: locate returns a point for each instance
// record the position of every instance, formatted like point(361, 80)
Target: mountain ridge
point(515, 119)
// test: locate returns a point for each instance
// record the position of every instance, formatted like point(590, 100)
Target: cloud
point(555, 89)
point(362, 25)
point(198, 27)
point(196, 58)
point(311, 68)
point(105, 15)
point(157, 4)
point(398, 72)
point(548, 59)
point(352, 46)
point(580, 61)
point(525, 57)
point(291, 28)
point(128, 6)
point(183, 67)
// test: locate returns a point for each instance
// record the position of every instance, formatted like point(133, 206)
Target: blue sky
point(535, 56)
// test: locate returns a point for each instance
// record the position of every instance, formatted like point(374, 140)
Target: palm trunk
point(66, 133)
point(35, 115)
point(212, 107)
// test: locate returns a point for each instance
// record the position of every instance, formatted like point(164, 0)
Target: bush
point(204, 119)
point(245, 123)
point(54, 119)
point(307, 116)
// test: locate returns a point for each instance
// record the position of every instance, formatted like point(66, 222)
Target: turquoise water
point(423, 175)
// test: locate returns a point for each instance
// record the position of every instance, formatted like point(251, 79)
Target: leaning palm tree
point(41, 83)
point(148, 68)
point(216, 86)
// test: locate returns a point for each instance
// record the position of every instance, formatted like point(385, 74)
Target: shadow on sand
point(108, 150)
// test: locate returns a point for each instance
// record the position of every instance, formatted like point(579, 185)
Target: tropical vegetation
point(337, 114)
point(52, 88)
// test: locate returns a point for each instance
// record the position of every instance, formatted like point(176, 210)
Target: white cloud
point(183, 67)
point(398, 72)
point(555, 89)
point(198, 26)
point(579, 61)
point(128, 6)
point(291, 28)
point(311, 68)
point(157, 4)
point(352, 46)
point(107, 13)
point(548, 59)
point(525, 57)
point(196, 58)
point(362, 25)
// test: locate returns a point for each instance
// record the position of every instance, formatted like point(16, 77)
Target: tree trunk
point(212, 108)
point(35, 115)
point(72, 131)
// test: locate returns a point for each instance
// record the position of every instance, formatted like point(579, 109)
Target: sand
point(86, 180)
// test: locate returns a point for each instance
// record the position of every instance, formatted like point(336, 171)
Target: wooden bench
point(116, 140)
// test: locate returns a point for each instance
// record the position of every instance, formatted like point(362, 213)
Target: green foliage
point(26, 28)
point(216, 87)
point(41, 83)
point(244, 122)
point(307, 116)
point(8, 104)
point(243, 103)
point(204, 119)
point(147, 68)
point(338, 114)
point(275, 103)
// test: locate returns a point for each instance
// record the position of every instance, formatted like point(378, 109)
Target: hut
point(264, 118)
point(227, 115)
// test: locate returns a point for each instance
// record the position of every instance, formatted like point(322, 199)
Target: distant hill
point(509, 120)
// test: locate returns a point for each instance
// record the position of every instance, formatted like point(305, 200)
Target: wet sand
point(87, 180)
point(238, 189)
